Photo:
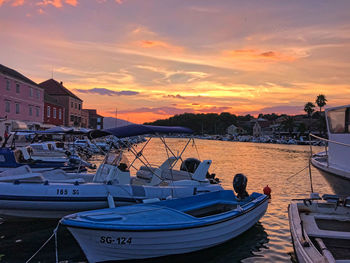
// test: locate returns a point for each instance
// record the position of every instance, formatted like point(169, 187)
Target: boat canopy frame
point(154, 132)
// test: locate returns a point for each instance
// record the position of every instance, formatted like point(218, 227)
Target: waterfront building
point(54, 112)
point(73, 104)
point(95, 120)
point(234, 130)
point(85, 118)
point(257, 130)
point(21, 101)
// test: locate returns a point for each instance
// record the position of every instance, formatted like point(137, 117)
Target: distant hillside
point(110, 122)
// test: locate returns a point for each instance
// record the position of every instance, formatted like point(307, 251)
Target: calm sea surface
point(267, 241)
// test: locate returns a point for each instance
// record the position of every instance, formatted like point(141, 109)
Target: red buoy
point(267, 191)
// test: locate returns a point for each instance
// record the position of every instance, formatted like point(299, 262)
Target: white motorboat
point(169, 227)
point(320, 229)
point(54, 194)
point(334, 161)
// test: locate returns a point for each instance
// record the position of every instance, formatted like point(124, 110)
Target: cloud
point(255, 54)
point(57, 3)
point(17, 3)
point(177, 96)
point(280, 109)
point(158, 44)
point(173, 110)
point(72, 2)
point(108, 92)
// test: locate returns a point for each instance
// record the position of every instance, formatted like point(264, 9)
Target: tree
point(321, 101)
point(309, 108)
point(289, 124)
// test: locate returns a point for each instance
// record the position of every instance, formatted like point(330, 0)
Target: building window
point(48, 111)
point(54, 113)
point(30, 111)
point(60, 114)
point(76, 105)
point(8, 84)
point(17, 88)
point(38, 94)
point(7, 106)
point(71, 117)
point(37, 109)
point(17, 108)
point(71, 104)
point(31, 92)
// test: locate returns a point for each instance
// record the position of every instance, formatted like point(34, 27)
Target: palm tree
point(309, 109)
point(321, 101)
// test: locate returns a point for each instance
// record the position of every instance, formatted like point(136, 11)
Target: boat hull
point(55, 200)
point(338, 179)
point(102, 245)
point(299, 249)
point(331, 169)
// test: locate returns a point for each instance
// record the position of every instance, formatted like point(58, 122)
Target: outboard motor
point(191, 164)
point(240, 184)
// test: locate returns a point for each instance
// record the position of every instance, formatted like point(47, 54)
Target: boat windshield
point(116, 159)
point(339, 120)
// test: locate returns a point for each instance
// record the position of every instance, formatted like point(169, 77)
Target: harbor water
point(263, 164)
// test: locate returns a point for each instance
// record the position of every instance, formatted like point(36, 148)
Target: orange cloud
point(159, 44)
point(17, 3)
point(254, 54)
point(2, 2)
point(72, 2)
point(57, 3)
point(119, 1)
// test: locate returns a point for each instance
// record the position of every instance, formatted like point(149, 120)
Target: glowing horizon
point(157, 58)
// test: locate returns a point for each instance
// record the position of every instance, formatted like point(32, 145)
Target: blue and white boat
point(54, 194)
point(169, 227)
point(18, 157)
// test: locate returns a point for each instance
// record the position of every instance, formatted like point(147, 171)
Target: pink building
point(21, 101)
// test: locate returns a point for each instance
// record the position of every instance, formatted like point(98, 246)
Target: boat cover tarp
point(138, 129)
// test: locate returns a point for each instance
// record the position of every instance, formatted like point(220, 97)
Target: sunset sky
point(152, 59)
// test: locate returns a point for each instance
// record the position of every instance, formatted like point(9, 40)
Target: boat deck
point(329, 232)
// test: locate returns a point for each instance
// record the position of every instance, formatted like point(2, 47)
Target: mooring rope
point(54, 234)
point(298, 172)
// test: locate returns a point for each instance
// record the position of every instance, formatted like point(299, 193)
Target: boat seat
point(58, 175)
point(313, 230)
point(24, 169)
point(175, 175)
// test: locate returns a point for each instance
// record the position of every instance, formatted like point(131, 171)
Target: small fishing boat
point(10, 159)
point(320, 229)
point(164, 228)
